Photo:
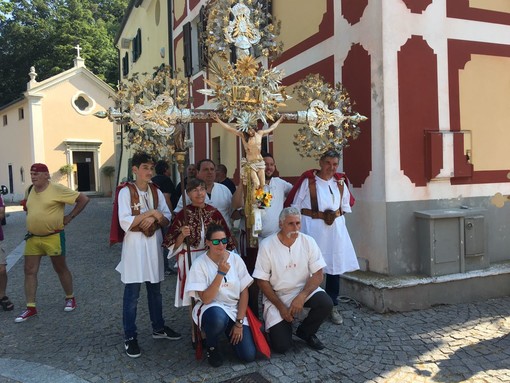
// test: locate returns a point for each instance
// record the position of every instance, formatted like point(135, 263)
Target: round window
point(82, 103)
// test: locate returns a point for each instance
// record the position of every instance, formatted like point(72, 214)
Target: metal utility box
point(451, 241)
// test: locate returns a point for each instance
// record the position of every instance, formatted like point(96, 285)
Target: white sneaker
point(336, 317)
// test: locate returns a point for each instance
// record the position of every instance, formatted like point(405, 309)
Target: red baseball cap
point(39, 168)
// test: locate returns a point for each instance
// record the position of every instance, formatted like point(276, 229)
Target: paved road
point(459, 343)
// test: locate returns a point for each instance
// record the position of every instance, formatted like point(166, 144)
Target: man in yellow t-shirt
point(45, 205)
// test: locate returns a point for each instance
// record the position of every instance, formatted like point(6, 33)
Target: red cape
point(116, 232)
point(311, 174)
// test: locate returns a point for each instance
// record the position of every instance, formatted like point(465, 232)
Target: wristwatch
point(240, 321)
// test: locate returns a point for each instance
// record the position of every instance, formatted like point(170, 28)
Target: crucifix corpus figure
point(252, 143)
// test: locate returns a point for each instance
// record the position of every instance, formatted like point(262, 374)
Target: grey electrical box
point(451, 241)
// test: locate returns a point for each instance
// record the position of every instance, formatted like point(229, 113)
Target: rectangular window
point(125, 65)
point(137, 45)
point(195, 51)
point(4, 118)
point(188, 49)
point(21, 114)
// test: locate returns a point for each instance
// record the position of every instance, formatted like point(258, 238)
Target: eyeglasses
point(216, 242)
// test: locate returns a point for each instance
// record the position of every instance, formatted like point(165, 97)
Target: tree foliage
point(43, 34)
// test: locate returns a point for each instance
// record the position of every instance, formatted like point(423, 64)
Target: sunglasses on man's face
point(217, 241)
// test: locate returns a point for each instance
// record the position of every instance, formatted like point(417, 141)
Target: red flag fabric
point(311, 174)
point(258, 337)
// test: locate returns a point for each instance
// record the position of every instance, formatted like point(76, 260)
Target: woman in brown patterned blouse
point(199, 215)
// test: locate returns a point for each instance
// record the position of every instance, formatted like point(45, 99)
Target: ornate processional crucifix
point(246, 95)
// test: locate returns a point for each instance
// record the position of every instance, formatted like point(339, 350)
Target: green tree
point(43, 33)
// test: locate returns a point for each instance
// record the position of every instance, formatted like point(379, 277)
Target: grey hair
point(330, 153)
point(291, 210)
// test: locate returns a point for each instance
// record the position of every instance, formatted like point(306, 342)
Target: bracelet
point(221, 273)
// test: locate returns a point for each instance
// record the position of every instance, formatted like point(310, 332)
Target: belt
point(327, 216)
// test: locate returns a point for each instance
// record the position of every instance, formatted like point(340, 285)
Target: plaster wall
point(293, 28)
point(288, 160)
point(154, 29)
point(382, 224)
point(491, 5)
point(15, 148)
point(228, 148)
point(399, 25)
point(484, 95)
point(62, 121)
point(179, 54)
point(179, 9)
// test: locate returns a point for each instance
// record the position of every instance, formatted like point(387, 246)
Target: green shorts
point(51, 245)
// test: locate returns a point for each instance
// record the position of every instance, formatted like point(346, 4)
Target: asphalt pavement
point(456, 343)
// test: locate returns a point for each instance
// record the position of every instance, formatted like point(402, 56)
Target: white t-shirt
point(279, 189)
point(287, 270)
point(202, 273)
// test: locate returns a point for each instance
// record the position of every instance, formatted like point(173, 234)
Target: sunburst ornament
point(330, 121)
point(241, 31)
point(241, 93)
point(247, 66)
point(246, 25)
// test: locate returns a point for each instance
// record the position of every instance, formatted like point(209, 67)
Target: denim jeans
point(130, 303)
point(216, 321)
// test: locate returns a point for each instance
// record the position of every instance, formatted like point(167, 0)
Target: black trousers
point(280, 335)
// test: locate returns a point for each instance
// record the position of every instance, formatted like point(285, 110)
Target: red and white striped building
point(433, 78)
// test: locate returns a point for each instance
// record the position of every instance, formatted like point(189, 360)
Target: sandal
point(6, 304)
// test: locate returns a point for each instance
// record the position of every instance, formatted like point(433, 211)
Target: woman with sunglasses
point(219, 281)
point(200, 215)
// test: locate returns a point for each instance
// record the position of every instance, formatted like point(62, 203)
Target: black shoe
point(132, 348)
point(214, 357)
point(166, 333)
point(311, 341)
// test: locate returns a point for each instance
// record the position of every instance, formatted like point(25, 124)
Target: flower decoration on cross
point(330, 120)
point(262, 198)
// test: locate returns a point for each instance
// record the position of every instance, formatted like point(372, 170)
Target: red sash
point(311, 174)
